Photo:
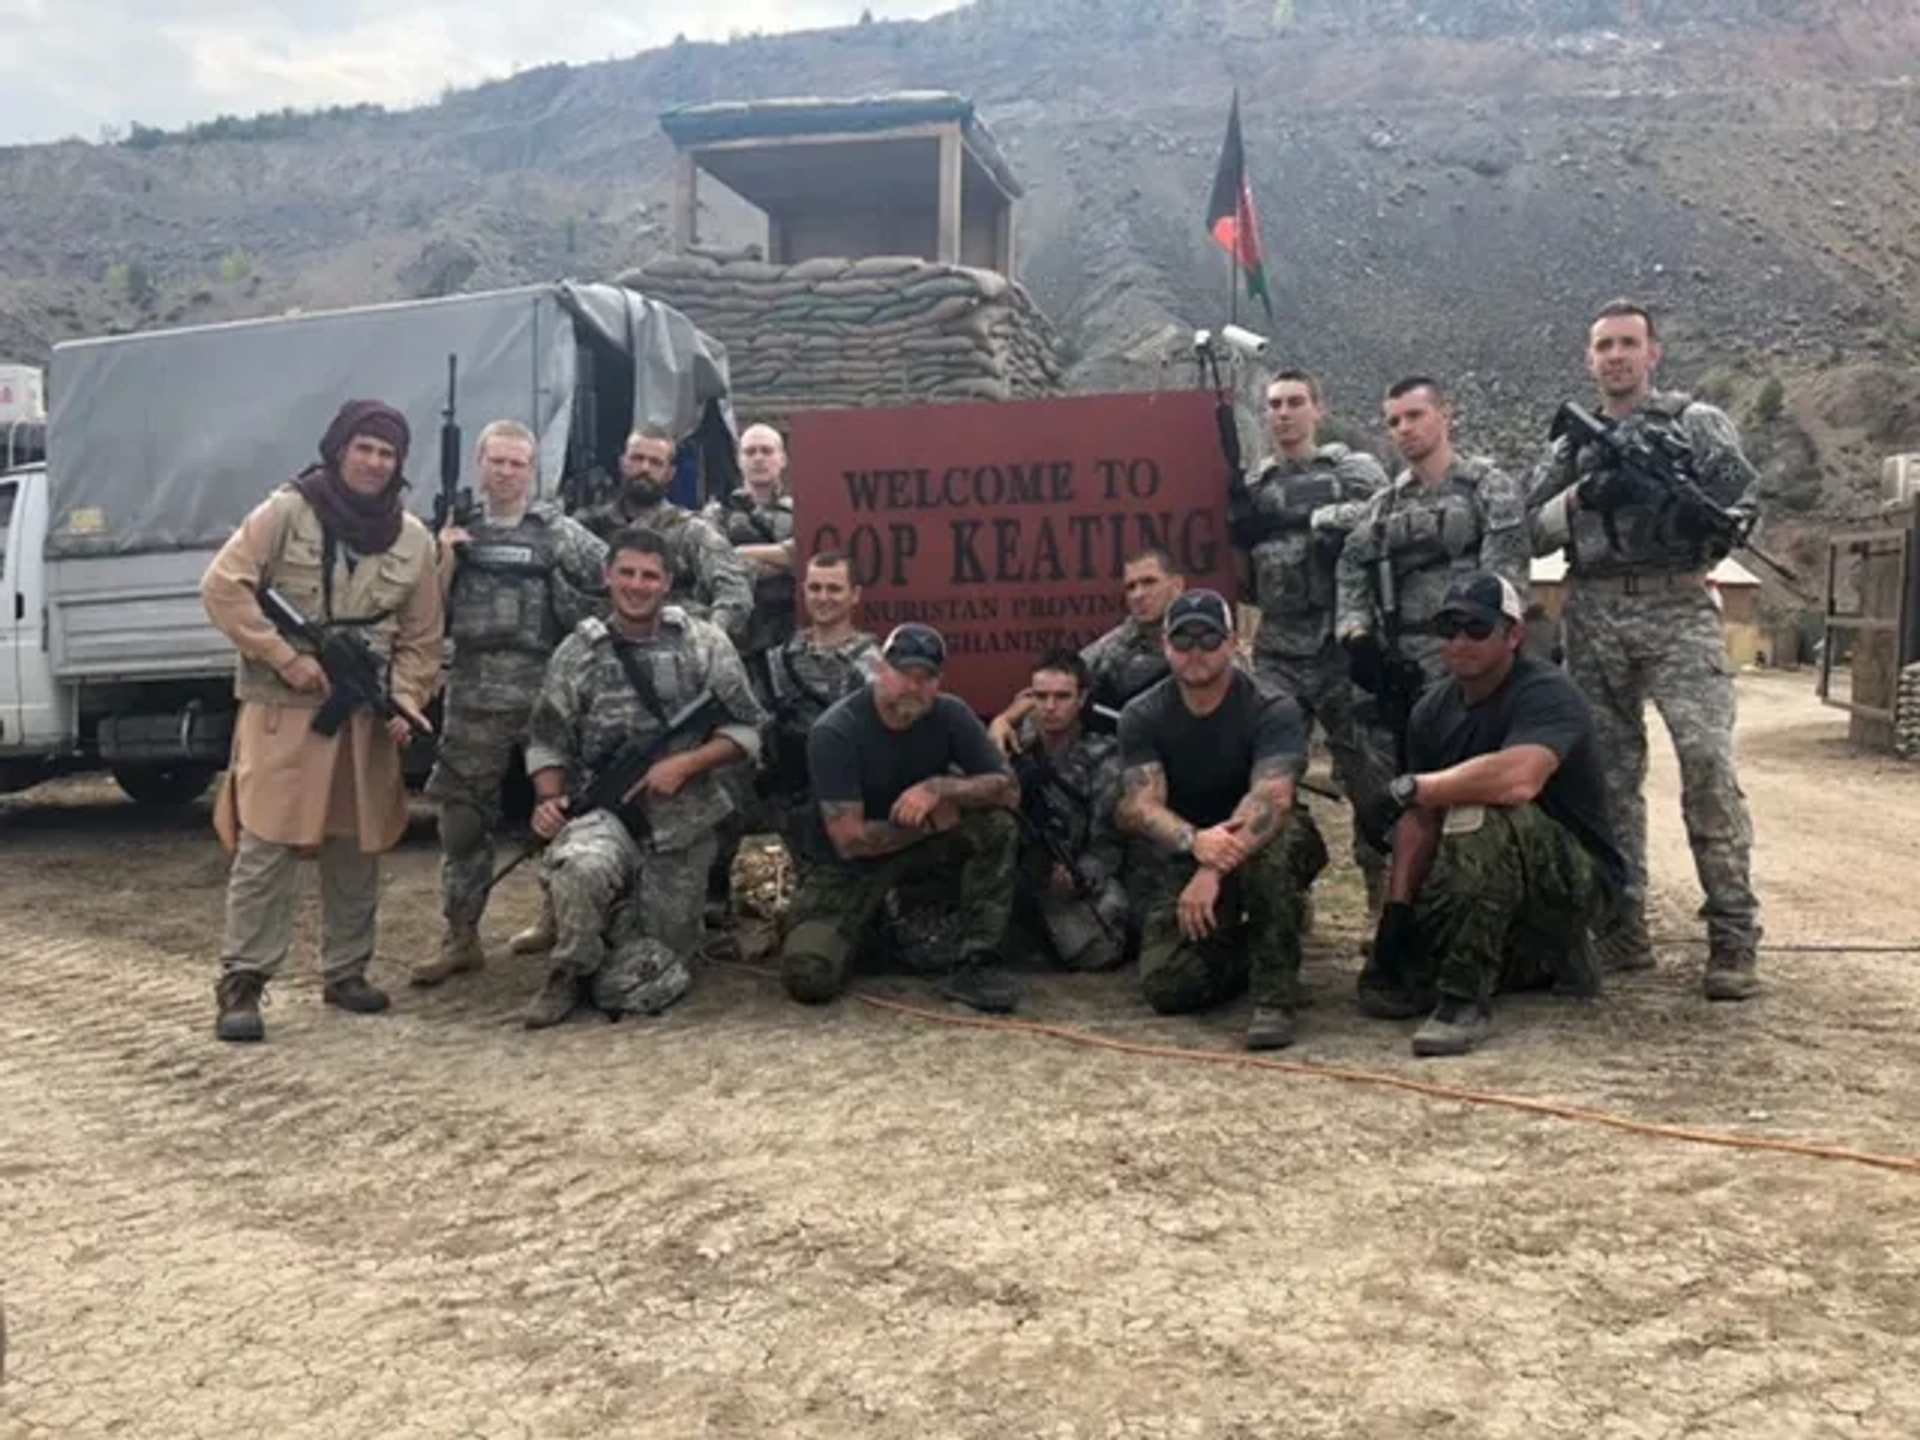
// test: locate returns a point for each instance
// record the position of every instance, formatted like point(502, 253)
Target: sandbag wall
point(886, 330)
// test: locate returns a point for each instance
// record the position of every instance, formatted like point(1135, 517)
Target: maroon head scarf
point(367, 524)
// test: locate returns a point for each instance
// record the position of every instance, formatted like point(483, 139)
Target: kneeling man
point(1208, 760)
point(1503, 853)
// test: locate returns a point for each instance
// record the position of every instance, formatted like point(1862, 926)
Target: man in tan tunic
point(338, 544)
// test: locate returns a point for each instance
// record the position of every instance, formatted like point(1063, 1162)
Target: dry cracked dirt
point(749, 1219)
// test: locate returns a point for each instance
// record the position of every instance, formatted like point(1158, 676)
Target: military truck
point(159, 443)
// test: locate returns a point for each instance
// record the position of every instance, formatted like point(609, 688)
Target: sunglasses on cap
point(1207, 638)
point(1448, 626)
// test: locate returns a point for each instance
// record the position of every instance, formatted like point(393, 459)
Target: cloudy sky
point(70, 67)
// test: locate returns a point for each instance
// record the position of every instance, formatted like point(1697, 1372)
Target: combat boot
point(1730, 972)
point(1272, 1028)
point(554, 1003)
point(460, 954)
point(1454, 1028)
point(537, 938)
point(978, 984)
point(1625, 947)
point(352, 992)
point(238, 995)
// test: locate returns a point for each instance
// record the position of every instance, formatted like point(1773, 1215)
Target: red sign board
point(1006, 526)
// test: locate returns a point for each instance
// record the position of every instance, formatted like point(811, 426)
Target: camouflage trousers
point(629, 920)
point(1623, 650)
point(1323, 689)
point(1509, 893)
point(474, 755)
point(837, 905)
point(1260, 914)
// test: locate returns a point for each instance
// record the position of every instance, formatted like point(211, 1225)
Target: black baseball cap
point(1206, 608)
point(1483, 596)
point(910, 645)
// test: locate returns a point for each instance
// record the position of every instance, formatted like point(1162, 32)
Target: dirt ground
point(749, 1219)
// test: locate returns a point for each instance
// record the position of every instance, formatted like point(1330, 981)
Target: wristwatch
point(1184, 845)
point(1404, 789)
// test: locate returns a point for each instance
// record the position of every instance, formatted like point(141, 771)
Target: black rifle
point(1242, 524)
point(1041, 816)
point(1654, 465)
point(614, 782)
point(352, 669)
point(454, 504)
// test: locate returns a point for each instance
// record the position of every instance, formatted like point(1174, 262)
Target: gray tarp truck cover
point(163, 441)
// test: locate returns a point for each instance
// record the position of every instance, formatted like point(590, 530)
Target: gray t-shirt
point(853, 757)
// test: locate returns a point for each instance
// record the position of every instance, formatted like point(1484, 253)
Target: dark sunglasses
point(1207, 640)
point(1449, 626)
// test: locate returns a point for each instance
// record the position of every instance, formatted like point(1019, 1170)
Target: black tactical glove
point(1366, 662)
point(1608, 489)
point(1403, 676)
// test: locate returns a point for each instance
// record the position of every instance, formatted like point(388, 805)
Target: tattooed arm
point(854, 837)
point(1260, 816)
point(1143, 806)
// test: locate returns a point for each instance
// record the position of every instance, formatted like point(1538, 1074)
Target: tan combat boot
point(460, 954)
point(539, 937)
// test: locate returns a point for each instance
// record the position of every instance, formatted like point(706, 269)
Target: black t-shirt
point(1537, 705)
point(1209, 759)
point(853, 756)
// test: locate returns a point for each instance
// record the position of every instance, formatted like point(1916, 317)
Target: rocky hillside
point(1446, 185)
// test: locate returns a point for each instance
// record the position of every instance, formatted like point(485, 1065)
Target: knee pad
point(463, 829)
point(813, 958)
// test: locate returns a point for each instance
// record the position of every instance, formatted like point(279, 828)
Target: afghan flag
point(1231, 218)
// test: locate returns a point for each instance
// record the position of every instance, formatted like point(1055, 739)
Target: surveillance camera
point(1202, 339)
point(1245, 341)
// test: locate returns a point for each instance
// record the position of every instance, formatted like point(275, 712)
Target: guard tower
point(914, 173)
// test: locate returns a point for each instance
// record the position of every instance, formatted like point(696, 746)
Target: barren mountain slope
point(1446, 187)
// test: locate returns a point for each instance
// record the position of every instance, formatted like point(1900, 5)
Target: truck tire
point(164, 785)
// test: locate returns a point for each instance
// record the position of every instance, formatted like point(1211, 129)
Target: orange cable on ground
point(1907, 1164)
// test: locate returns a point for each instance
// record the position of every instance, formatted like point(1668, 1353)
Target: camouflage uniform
point(1300, 512)
point(741, 522)
point(517, 590)
point(1125, 661)
point(1080, 809)
point(609, 886)
point(836, 911)
point(709, 582)
point(804, 678)
point(1507, 890)
point(1261, 914)
point(1475, 519)
point(1639, 625)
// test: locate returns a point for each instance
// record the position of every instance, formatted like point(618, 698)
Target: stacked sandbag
point(886, 330)
point(1906, 713)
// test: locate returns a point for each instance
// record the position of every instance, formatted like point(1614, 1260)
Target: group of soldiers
point(1138, 802)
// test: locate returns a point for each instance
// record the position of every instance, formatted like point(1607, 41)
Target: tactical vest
point(1293, 572)
point(368, 595)
point(502, 592)
point(1636, 537)
point(1127, 665)
point(775, 596)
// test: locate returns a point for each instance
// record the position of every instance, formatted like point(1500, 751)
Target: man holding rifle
point(316, 750)
point(1647, 498)
point(659, 699)
point(1071, 854)
point(515, 580)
